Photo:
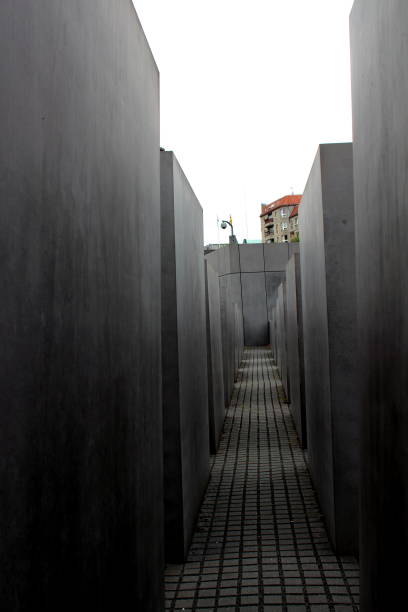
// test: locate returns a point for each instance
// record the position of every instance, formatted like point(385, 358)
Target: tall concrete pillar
point(281, 338)
point(225, 262)
point(379, 45)
point(80, 414)
point(216, 404)
point(329, 329)
point(184, 348)
point(294, 341)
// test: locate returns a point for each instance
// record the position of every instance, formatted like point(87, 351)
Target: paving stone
point(260, 542)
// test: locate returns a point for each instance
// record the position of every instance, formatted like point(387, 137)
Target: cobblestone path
point(260, 542)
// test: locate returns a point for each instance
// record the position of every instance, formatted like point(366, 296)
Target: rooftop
point(295, 211)
point(288, 200)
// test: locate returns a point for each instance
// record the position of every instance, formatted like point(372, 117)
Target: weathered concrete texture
point(379, 40)
point(294, 341)
point(184, 349)
point(329, 329)
point(216, 399)
point(80, 419)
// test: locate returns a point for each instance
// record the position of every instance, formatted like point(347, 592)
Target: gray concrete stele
point(379, 52)
point(216, 406)
point(294, 341)
point(330, 339)
point(225, 263)
point(184, 355)
point(80, 419)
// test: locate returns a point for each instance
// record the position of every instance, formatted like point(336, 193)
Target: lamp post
point(232, 239)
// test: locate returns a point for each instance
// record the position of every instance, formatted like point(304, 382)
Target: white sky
point(248, 91)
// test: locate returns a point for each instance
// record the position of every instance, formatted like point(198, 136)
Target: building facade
point(279, 220)
point(294, 224)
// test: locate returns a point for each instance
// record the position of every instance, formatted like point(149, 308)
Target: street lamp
point(232, 238)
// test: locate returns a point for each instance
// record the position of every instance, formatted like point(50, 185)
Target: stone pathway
point(260, 543)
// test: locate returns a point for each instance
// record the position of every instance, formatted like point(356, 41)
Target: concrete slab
point(254, 309)
point(251, 257)
point(276, 257)
point(80, 422)
point(244, 260)
point(232, 329)
point(295, 355)
point(184, 349)
point(380, 118)
point(329, 325)
point(234, 259)
point(239, 336)
point(226, 338)
point(216, 407)
point(213, 259)
point(272, 280)
point(272, 332)
point(223, 261)
point(281, 339)
point(294, 247)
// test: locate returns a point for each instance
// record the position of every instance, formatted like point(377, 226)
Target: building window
point(284, 212)
point(284, 226)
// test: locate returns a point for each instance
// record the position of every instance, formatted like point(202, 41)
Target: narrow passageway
point(260, 543)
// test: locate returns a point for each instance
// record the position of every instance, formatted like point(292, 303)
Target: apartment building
point(279, 220)
point(294, 224)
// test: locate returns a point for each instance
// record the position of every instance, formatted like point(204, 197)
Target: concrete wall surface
point(268, 260)
point(225, 262)
point(249, 277)
point(379, 42)
point(281, 339)
point(251, 257)
point(272, 282)
point(329, 330)
point(294, 340)
point(276, 256)
point(184, 350)
point(254, 308)
point(216, 398)
point(80, 420)
point(232, 329)
point(272, 332)
point(239, 336)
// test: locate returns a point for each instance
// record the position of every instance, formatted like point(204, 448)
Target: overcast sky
point(249, 88)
